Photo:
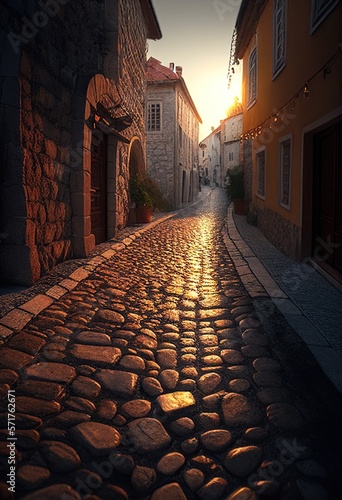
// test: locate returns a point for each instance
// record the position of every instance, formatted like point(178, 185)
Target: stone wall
point(160, 146)
point(44, 81)
point(172, 153)
point(282, 233)
point(186, 150)
point(132, 90)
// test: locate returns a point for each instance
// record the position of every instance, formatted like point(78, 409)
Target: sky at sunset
point(197, 36)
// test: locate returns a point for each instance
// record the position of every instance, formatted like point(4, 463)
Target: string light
point(253, 133)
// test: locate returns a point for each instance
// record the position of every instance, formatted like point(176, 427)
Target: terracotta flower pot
point(144, 215)
point(239, 207)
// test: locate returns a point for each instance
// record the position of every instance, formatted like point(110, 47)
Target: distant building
point(72, 126)
point(172, 127)
point(292, 122)
point(231, 130)
point(210, 159)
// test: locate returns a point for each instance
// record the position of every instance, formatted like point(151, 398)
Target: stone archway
point(136, 166)
point(82, 190)
point(136, 157)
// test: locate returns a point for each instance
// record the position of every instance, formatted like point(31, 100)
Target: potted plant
point(142, 200)
point(235, 189)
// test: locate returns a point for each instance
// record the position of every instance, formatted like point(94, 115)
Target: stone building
point(172, 125)
point(231, 130)
point(72, 90)
point(210, 158)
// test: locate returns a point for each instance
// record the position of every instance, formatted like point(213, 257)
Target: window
point(320, 10)
point(261, 173)
point(231, 156)
point(153, 116)
point(285, 172)
point(279, 36)
point(252, 77)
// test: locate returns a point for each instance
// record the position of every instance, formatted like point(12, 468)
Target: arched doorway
point(136, 157)
point(136, 162)
point(93, 176)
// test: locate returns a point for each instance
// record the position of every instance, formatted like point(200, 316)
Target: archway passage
point(99, 148)
point(136, 158)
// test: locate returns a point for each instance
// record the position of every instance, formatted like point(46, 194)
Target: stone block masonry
point(45, 145)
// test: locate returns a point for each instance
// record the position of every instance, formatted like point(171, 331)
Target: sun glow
point(215, 100)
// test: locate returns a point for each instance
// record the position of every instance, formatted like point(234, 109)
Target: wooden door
point(99, 188)
point(327, 223)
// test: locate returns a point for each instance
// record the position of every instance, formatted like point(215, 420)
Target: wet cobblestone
point(151, 378)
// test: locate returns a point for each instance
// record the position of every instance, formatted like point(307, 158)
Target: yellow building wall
point(306, 54)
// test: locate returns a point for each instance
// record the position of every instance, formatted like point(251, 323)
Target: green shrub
point(235, 187)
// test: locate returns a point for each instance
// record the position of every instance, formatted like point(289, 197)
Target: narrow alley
point(154, 378)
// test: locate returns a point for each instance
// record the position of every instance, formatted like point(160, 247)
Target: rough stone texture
point(143, 478)
point(169, 379)
point(45, 179)
point(183, 426)
point(99, 439)
point(36, 407)
point(238, 411)
point(14, 360)
point(242, 461)
point(172, 490)
point(148, 435)
point(98, 355)
point(85, 386)
point(213, 489)
point(137, 408)
point(26, 343)
point(118, 382)
point(59, 457)
point(194, 479)
point(33, 476)
point(42, 390)
point(55, 492)
point(209, 382)
point(281, 232)
point(132, 363)
point(54, 372)
point(243, 494)
point(176, 401)
point(216, 440)
point(170, 463)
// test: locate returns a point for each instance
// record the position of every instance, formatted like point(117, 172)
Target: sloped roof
point(153, 28)
point(157, 73)
point(246, 24)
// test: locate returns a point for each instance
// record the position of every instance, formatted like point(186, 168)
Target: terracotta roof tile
point(156, 72)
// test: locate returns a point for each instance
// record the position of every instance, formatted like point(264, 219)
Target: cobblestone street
point(154, 378)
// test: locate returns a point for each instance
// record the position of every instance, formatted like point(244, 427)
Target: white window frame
point(252, 77)
point(285, 141)
point(258, 153)
point(150, 118)
point(279, 35)
point(320, 9)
